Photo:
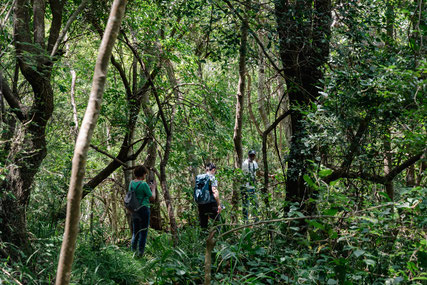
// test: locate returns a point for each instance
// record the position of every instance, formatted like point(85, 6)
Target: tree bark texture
point(304, 30)
point(83, 141)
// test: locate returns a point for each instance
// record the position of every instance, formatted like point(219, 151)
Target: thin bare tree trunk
point(261, 85)
point(251, 113)
point(387, 168)
point(150, 163)
point(72, 93)
point(421, 173)
point(169, 135)
point(83, 141)
point(73, 100)
point(238, 124)
point(410, 176)
point(286, 123)
point(388, 157)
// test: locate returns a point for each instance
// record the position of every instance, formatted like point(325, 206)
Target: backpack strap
point(132, 188)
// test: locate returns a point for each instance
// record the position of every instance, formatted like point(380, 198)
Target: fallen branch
point(10, 276)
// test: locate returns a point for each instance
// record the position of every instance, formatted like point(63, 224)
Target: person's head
point(140, 171)
point(251, 155)
point(210, 167)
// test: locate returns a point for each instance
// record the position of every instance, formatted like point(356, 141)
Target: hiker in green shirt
point(141, 216)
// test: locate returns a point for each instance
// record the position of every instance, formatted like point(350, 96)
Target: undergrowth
point(381, 246)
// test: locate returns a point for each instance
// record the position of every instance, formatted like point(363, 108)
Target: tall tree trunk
point(304, 31)
point(83, 141)
point(238, 124)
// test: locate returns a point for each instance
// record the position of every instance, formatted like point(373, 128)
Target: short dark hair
point(210, 166)
point(140, 171)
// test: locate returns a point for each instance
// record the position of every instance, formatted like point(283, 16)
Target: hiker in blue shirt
point(212, 208)
point(141, 216)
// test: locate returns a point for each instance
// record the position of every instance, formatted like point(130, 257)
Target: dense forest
point(328, 97)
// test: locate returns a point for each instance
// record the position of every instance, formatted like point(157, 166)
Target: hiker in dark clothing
point(212, 208)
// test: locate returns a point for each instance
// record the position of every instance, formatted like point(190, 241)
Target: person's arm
point(152, 198)
point(216, 196)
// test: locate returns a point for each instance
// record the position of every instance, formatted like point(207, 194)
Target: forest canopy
point(325, 100)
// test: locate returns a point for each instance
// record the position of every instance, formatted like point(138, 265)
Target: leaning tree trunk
point(304, 31)
point(83, 141)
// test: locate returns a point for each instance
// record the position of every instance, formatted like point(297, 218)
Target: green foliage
point(368, 76)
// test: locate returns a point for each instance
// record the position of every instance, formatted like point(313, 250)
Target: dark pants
point(249, 203)
point(207, 211)
point(140, 222)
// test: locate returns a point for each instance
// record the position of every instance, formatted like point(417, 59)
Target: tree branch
point(141, 148)
point(410, 161)
point(123, 76)
point(355, 143)
point(341, 173)
point(64, 31)
point(13, 102)
point(264, 146)
point(107, 154)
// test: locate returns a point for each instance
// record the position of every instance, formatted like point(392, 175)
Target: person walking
point(212, 208)
point(249, 195)
point(141, 216)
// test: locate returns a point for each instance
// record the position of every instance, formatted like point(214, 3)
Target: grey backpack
point(131, 202)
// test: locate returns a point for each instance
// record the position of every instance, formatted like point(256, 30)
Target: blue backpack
point(202, 191)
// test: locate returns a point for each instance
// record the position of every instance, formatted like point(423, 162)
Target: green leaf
point(325, 172)
point(359, 252)
point(385, 195)
point(335, 182)
point(180, 272)
point(330, 212)
point(316, 225)
point(309, 181)
point(369, 262)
